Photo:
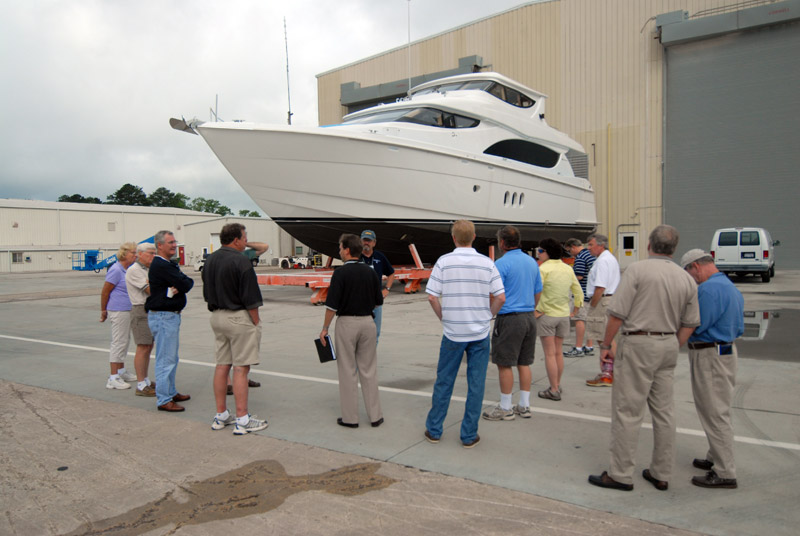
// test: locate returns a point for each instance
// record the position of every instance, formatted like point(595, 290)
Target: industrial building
point(51, 236)
point(687, 109)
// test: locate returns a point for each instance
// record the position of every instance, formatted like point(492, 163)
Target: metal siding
point(732, 137)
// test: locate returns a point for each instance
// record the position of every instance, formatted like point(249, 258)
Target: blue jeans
point(378, 314)
point(166, 328)
point(450, 354)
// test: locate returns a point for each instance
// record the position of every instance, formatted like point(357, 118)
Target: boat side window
point(378, 117)
point(750, 238)
point(729, 238)
point(449, 87)
point(511, 96)
point(437, 118)
point(525, 151)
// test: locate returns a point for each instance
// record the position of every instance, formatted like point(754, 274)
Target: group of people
point(651, 310)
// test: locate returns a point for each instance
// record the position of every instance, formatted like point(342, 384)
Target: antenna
point(409, 45)
point(288, 92)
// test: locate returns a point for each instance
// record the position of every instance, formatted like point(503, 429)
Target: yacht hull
point(318, 183)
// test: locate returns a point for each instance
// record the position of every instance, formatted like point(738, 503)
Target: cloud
point(89, 85)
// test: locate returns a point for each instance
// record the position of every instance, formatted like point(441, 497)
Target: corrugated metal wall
point(601, 65)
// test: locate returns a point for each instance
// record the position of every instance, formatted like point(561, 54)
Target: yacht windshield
point(525, 151)
point(431, 117)
point(504, 93)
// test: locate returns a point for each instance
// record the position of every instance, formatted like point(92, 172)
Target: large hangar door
point(732, 141)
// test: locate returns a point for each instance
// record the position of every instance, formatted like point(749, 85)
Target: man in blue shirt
point(514, 334)
point(378, 261)
point(582, 265)
point(712, 358)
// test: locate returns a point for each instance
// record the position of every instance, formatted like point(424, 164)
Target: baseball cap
point(369, 235)
point(693, 255)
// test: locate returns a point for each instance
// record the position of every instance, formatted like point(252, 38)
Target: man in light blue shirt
point(514, 334)
point(712, 358)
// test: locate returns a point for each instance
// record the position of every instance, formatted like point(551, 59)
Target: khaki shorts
point(139, 326)
point(553, 326)
point(238, 341)
point(583, 313)
point(597, 319)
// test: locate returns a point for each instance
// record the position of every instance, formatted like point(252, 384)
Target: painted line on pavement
point(544, 411)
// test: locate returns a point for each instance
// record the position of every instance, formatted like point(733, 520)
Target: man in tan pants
point(354, 292)
point(656, 307)
point(712, 357)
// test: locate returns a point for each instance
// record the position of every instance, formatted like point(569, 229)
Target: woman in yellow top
point(553, 311)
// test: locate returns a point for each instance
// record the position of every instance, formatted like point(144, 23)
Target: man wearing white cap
point(378, 261)
point(712, 358)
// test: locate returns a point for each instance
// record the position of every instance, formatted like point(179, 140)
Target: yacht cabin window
point(431, 117)
point(525, 151)
point(504, 93)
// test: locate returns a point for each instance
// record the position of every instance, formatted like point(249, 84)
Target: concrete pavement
point(526, 476)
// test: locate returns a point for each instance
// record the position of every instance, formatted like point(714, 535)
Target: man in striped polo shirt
point(465, 291)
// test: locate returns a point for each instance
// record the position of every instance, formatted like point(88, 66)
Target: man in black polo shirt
point(230, 288)
point(354, 292)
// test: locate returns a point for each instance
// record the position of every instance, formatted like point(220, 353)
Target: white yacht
point(473, 146)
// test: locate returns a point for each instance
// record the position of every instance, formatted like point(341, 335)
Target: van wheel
point(765, 277)
point(285, 264)
point(772, 271)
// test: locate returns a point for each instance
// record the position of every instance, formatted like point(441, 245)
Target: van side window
point(750, 238)
point(728, 239)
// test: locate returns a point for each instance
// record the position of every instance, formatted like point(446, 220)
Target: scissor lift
point(320, 280)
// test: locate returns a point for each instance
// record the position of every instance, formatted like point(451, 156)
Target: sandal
point(550, 394)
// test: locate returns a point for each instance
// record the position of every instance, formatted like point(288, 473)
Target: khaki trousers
point(713, 380)
point(356, 358)
point(643, 374)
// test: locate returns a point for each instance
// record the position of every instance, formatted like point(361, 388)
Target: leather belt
point(658, 333)
point(516, 313)
point(701, 345)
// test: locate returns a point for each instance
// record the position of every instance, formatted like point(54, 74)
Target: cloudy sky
point(88, 86)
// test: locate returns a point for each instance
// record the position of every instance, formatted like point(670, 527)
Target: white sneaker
point(128, 376)
point(219, 425)
point(523, 411)
point(499, 414)
point(116, 383)
point(254, 425)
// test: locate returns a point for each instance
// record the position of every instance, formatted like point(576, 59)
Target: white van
point(743, 251)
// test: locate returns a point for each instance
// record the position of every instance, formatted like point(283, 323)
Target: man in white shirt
point(601, 284)
point(465, 291)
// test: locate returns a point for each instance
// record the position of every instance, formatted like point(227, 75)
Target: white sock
point(121, 371)
point(224, 415)
point(141, 385)
point(505, 401)
point(114, 377)
point(242, 421)
point(524, 398)
point(147, 380)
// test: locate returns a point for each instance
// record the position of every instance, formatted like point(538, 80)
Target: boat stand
point(320, 280)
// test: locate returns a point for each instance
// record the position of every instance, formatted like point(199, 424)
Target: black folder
point(326, 353)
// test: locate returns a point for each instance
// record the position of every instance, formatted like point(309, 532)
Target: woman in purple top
point(116, 306)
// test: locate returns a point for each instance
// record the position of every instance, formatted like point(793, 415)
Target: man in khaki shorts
point(656, 309)
point(600, 286)
point(230, 288)
point(138, 291)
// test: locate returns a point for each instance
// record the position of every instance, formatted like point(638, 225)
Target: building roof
point(91, 207)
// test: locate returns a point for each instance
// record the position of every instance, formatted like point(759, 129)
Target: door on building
point(181, 255)
point(628, 249)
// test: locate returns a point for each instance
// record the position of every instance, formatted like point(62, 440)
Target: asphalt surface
point(81, 459)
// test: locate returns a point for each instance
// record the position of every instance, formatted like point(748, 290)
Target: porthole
point(476, 188)
point(521, 199)
point(505, 198)
point(514, 199)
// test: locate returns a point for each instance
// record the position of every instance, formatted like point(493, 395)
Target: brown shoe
point(712, 480)
point(660, 485)
point(181, 398)
point(253, 383)
point(171, 406)
point(605, 481)
point(230, 390)
point(147, 391)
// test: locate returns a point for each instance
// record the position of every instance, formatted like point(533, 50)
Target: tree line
point(132, 195)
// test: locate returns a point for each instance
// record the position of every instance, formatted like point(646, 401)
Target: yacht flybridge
point(472, 146)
